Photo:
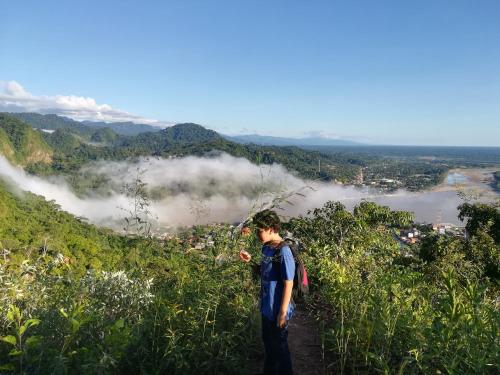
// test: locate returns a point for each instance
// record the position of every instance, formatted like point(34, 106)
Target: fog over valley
point(199, 190)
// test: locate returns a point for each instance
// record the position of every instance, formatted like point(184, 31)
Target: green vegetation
point(21, 144)
point(79, 299)
point(412, 176)
point(435, 311)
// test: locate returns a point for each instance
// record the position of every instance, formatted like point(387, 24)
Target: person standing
point(277, 271)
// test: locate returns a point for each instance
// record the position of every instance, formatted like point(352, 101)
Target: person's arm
point(287, 274)
point(285, 301)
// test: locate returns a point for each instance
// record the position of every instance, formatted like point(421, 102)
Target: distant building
point(409, 233)
point(199, 246)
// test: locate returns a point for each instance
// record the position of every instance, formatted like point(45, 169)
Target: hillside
point(124, 128)
point(21, 144)
point(31, 222)
point(163, 306)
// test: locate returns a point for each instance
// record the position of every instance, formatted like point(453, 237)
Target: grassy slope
point(29, 222)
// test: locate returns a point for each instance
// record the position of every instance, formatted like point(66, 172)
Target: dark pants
point(275, 339)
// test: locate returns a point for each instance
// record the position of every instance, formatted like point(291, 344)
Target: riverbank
point(477, 179)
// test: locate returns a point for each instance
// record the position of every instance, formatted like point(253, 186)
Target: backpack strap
point(283, 244)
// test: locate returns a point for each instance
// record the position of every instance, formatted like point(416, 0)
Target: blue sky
point(385, 72)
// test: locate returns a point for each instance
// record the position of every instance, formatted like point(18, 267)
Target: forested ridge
point(75, 144)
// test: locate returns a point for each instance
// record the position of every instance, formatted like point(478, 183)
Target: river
point(440, 204)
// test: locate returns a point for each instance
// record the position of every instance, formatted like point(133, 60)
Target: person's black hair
point(267, 219)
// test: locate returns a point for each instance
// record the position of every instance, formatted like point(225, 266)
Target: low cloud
point(191, 190)
point(15, 98)
point(194, 190)
point(98, 210)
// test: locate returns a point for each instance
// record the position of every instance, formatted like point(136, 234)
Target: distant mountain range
point(264, 140)
point(54, 122)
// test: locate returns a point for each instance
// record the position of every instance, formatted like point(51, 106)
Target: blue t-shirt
point(272, 275)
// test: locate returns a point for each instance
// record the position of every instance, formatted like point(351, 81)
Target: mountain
point(124, 128)
point(75, 143)
point(265, 140)
point(21, 144)
point(190, 133)
point(162, 142)
point(49, 122)
point(54, 122)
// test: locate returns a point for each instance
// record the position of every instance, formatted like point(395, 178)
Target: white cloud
point(321, 134)
point(14, 98)
point(206, 190)
point(195, 190)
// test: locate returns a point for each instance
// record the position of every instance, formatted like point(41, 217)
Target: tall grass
point(185, 312)
point(386, 313)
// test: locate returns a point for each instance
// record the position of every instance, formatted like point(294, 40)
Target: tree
point(481, 215)
point(138, 220)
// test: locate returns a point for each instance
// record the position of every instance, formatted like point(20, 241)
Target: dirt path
point(305, 346)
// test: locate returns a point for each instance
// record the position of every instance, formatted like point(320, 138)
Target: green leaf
point(7, 367)
point(9, 339)
point(13, 314)
point(27, 324)
point(75, 325)
point(33, 341)
point(15, 352)
point(119, 324)
point(32, 322)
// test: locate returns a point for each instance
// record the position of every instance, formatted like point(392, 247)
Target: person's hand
point(246, 231)
point(281, 320)
point(245, 256)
